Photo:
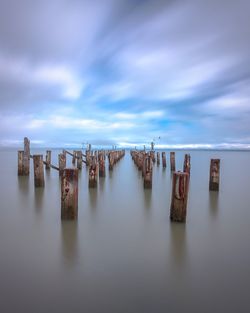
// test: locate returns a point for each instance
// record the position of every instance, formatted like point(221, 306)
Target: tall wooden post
point(178, 209)
point(152, 146)
point(93, 173)
point(164, 161)
point(26, 157)
point(152, 155)
point(148, 173)
point(74, 158)
point(87, 157)
point(61, 162)
point(214, 180)
point(158, 158)
point(101, 166)
point(69, 194)
point(48, 159)
point(38, 170)
point(187, 164)
point(144, 155)
point(111, 161)
point(20, 163)
point(79, 159)
point(172, 161)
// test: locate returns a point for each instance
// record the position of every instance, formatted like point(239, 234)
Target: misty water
point(123, 254)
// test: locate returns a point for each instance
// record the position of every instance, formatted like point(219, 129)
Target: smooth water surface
point(123, 254)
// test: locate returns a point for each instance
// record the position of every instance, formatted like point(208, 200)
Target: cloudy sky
point(125, 72)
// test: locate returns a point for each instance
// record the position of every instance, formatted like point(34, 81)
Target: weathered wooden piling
point(26, 157)
point(88, 160)
point(20, 163)
point(111, 161)
point(102, 171)
point(158, 158)
point(152, 146)
point(61, 162)
point(180, 186)
point(93, 173)
point(164, 161)
point(38, 170)
point(152, 156)
point(48, 159)
point(187, 164)
point(69, 194)
point(148, 172)
point(79, 159)
point(172, 161)
point(74, 157)
point(214, 181)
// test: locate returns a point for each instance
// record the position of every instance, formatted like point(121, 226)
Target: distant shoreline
point(128, 149)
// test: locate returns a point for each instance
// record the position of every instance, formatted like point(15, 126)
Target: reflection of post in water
point(93, 198)
point(101, 183)
point(69, 236)
point(23, 184)
point(147, 198)
point(178, 249)
point(213, 202)
point(39, 195)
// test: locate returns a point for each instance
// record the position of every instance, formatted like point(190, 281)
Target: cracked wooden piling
point(214, 180)
point(172, 161)
point(187, 164)
point(38, 170)
point(48, 159)
point(69, 194)
point(79, 159)
point(164, 161)
point(158, 158)
point(93, 173)
point(180, 186)
point(148, 172)
point(61, 162)
point(26, 157)
point(102, 169)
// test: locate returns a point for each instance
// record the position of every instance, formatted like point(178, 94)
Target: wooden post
point(20, 163)
point(101, 166)
point(74, 158)
point(152, 146)
point(158, 158)
point(178, 209)
point(214, 180)
point(172, 161)
point(38, 170)
point(26, 157)
point(111, 161)
point(187, 164)
point(148, 173)
point(69, 194)
point(61, 162)
point(152, 155)
point(79, 159)
point(87, 157)
point(48, 159)
point(93, 173)
point(164, 162)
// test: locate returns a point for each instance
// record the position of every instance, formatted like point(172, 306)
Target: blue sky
point(116, 72)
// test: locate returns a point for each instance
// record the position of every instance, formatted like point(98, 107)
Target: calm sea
point(123, 254)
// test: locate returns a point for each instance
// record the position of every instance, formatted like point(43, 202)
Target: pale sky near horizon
point(125, 72)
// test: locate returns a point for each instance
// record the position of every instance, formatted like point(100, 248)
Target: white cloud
point(53, 75)
point(146, 115)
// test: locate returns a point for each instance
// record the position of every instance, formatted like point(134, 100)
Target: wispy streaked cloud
point(123, 71)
